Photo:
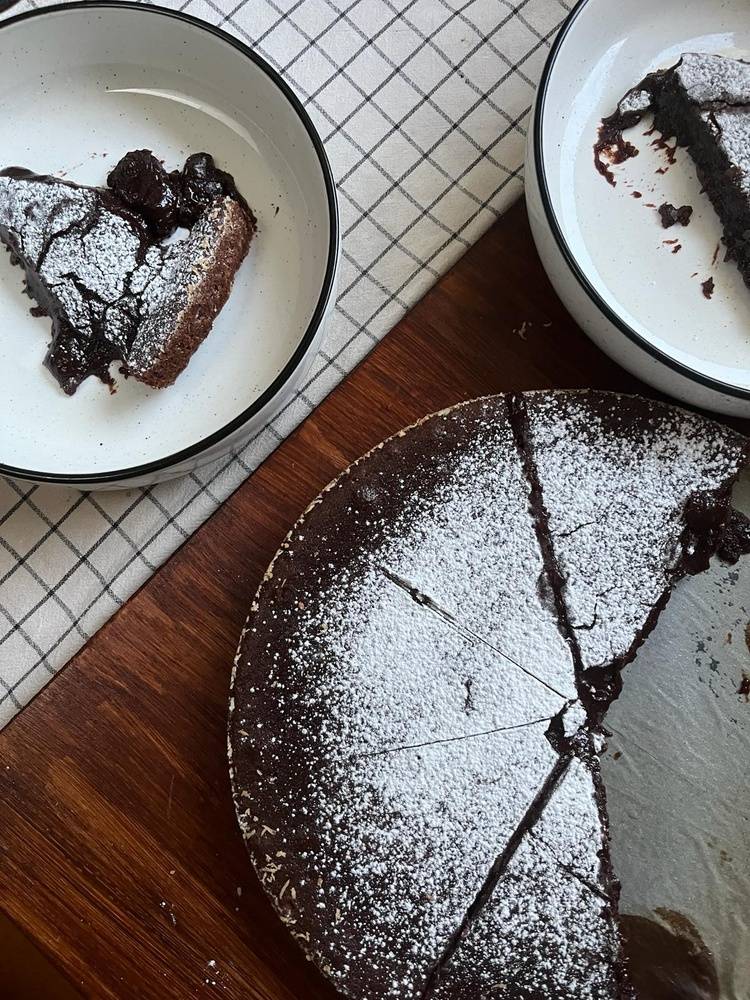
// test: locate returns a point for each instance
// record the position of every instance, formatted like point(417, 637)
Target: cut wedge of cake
point(704, 103)
point(96, 264)
point(546, 926)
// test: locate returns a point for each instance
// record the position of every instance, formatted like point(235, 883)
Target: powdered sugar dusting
point(544, 933)
point(421, 830)
point(635, 100)
point(707, 77)
point(167, 291)
point(734, 138)
point(83, 253)
point(429, 744)
point(714, 81)
point(570, 828)
point(471, 545)
point(399, 673)
point(615, 487)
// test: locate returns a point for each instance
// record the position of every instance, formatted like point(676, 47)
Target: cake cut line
point(424, 600)
point(684, 552)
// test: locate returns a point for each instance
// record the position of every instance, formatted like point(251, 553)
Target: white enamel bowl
point(82, 84)
point(602, 246)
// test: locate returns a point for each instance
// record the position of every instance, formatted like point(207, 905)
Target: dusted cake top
point(419, 687)
point(95, 263)
point(712, 78)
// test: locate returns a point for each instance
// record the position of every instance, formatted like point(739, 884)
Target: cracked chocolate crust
point(596, 692)
point(381, 915)
point(496, 872)
point(96, 264)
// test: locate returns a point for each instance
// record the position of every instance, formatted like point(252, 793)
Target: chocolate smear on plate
point(668, 959)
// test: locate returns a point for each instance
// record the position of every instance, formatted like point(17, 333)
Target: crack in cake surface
point(595, 696)
point(424, 600)
point(355, 623)
point(458, 739)
point(504, 858)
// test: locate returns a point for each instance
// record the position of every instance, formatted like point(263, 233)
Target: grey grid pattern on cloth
point(422, 106)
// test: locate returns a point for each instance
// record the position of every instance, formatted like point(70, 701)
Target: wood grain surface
point(119, 852)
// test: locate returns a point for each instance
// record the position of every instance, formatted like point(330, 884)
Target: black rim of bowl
point(186, 454)
point(726, 388)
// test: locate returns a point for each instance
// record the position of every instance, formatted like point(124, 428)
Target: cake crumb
point(167, 909)
point(671, 215)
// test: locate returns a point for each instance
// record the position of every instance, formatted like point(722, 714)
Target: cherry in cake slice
point(96, 263)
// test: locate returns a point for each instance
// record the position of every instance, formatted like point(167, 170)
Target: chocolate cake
point(419, 692)
point(96, 263)
point(704, 103)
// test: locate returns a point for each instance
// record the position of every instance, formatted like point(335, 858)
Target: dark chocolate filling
point(735, 541)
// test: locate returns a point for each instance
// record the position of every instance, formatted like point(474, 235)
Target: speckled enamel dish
point(604, 248)
point(80, 85)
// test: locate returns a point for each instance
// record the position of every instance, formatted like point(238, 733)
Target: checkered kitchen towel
point(422, 105)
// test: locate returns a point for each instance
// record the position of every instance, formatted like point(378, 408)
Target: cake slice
point(704, 103)
point(96, 265)
point(184, 291)
point(631, 495)
point(547, 927)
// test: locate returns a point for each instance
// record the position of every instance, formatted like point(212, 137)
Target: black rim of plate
point(726, 388)
point(134, 472)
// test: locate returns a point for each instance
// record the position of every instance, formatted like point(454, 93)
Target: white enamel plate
point(81, 85)
point(604, 246)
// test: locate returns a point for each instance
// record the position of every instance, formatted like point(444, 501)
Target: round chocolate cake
point(419, 691)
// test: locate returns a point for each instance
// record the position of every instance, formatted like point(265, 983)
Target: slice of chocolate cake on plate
point(419, 691)
point(704, 103)
point(96, 263)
